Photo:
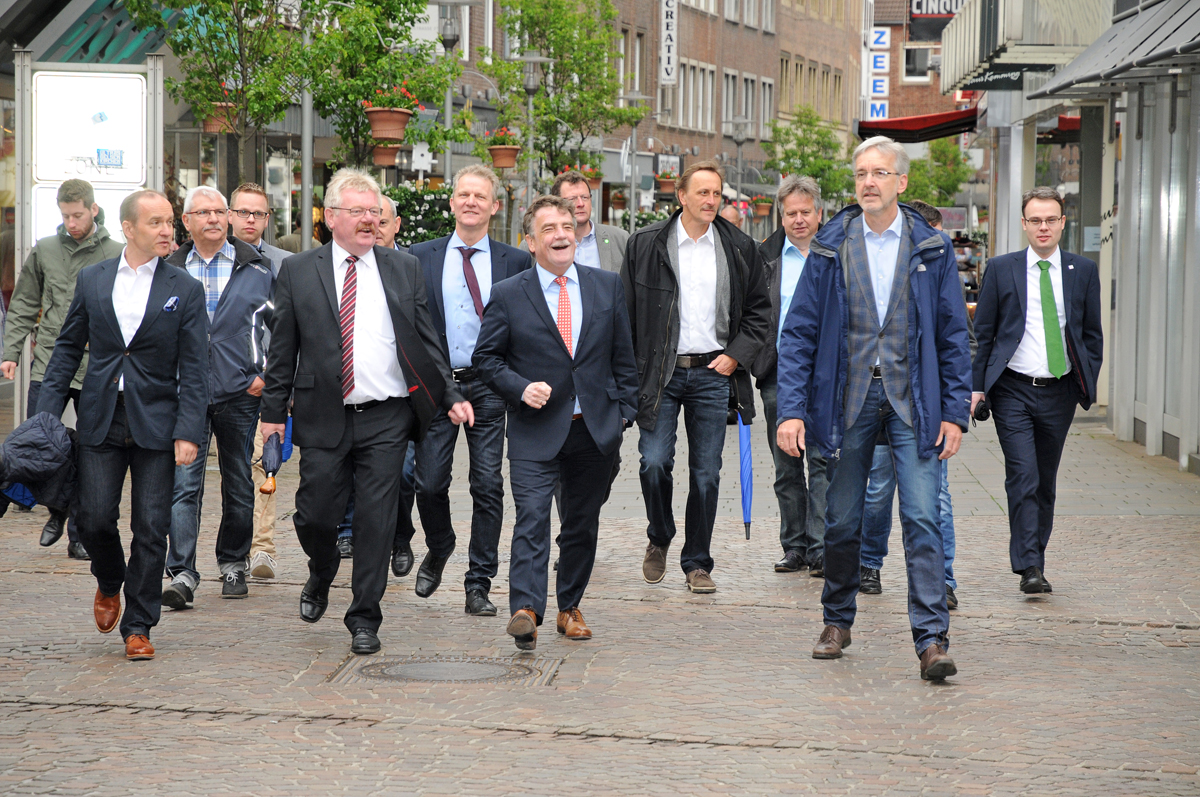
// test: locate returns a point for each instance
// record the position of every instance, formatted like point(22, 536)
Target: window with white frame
point(639, 45)
point(749, 97)
point(766, 108)
point(768, 16)
point(750, 13)
point(731, 10)
point(916, 64)
point(694, 94)
point(729, 104)
point(710, 77)
point(839, 106)
point(621, 64)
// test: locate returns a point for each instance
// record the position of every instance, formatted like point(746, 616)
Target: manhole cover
point(446, 669)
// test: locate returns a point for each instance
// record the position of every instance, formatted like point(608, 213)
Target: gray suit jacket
point(275, 255)
point(610, 241)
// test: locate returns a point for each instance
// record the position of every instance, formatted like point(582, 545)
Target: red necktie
point(564, 313)
point(472, 280)
point(346, 318)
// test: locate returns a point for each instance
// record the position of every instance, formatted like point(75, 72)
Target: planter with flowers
point(221, 118)
point(762, 205)
point(594, 176)
point(503, 145)
point(385, 155)
point(666, 180)
point(617, 198)
point(389, 112)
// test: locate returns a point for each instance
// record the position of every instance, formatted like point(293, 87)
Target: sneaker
point(177, 596)
point(700, 582)
point(345, 546)
point(654, 566)
point(262, 565)
point(235, 585)
point(951, 598)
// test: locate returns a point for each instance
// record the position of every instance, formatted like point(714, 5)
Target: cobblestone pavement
point(1093, 690)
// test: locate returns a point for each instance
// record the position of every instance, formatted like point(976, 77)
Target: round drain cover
point(457, 670)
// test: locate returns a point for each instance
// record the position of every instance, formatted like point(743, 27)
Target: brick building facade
point(913, 79)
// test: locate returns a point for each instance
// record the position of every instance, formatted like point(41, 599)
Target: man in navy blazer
point(142, 408)
point(460, 272)
point(556, 345)
point(1040, 347)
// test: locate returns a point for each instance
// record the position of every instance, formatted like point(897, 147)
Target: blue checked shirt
point(213, 275)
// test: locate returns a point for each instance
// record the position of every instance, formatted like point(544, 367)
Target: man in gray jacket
point(46, 287)
point(239, 288)
point(596, 245)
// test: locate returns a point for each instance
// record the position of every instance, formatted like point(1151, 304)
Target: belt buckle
point(1039, 381)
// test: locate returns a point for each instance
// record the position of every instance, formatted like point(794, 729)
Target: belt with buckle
point(877, 372)
point(464, 374)
point(1036, 381)
point(366, 405)
point(696, 360)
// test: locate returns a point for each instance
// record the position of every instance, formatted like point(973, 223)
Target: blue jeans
point(801, 505)
point(232, 422)
point(435, 462)
point(407, 494)
point(704, 396)
point(918, 481)
point(877, 514)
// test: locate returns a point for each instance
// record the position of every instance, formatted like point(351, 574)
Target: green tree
point(808, 145)
point(938, 178)
point(578, 90)
point(242, 52)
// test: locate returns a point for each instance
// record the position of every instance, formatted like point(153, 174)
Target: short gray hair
point(349, 178)
point(388, 202)
point(541, 203)
point(887, 146)
point(479, 170)
point(799, 184)
point(202, 190)
point(132, 204)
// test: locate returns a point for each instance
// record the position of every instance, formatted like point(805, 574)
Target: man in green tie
point(1040, 348)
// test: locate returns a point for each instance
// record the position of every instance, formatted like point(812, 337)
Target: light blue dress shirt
point(791, 266)
point(882, 251)
point(587, 253)
point(462, 324)
point(550, 291)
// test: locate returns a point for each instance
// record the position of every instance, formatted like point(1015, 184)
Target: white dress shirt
point(1030, 357)
point(550, 291)
point(377, 374)
point(131, 292)
point(697, 291)
point(462, 323)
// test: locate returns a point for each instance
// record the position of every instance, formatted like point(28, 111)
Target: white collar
point(152, 264)
point(1031, 258)
point(681, 234)
point(340, 255)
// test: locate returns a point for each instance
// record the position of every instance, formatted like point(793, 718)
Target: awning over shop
point(1138, 46)
point(915, 129)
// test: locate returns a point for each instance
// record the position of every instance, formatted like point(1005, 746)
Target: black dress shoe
point(479, 605)
point(792, 562)
point(951, 598)
point(314, 600)
point(75, 550)
point(402, 559)
point(1046, 584)
point(816, 568)
point(364, 641)
point(868, 581)
point(53, 530)
point(345, 546)
point(429, 576)
point(1032, 582)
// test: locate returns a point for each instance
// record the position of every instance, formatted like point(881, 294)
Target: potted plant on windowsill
point(762, 205)
point(389, 112)
point(503, 145)
point(666, 180)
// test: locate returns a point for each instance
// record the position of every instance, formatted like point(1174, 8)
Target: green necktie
point(1055, 357)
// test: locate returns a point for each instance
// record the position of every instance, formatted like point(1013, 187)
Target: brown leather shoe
point(522, 627)
point(936, 664)
point(654, 565)
point(700, 582)
point(832, 640)
point(570, 624)
point(138, 647)
point(107, 609)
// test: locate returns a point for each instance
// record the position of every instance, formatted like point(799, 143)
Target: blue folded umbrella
point(747, 472)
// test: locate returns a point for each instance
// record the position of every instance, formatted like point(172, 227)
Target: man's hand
point(256, 386)
point(724, 365)
point(185, 452)
point(269, 429)
point(975, 399)
point(790, 437)
point(536, 394)
point(462, 412)
point(9, 369)
point(953, 437)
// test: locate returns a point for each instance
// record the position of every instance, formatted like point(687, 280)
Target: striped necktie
point(346, 319)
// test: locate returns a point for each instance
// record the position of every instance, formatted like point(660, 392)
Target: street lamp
point(530, 82)
point(632, 97)
point(740, 125)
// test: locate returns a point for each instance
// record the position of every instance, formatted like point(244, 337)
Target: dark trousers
point(581, 469)
point(1032, 425)
point(408, 493)
point(102, 471)
point(801, 505)
point(35, 390)
point(435, 461)
point(370, 456)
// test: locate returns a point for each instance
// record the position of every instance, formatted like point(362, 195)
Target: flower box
point(387, 124)
point(504, 156)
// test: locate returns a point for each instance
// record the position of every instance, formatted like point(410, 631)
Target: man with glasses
point(596, 245)
point(1040, 348)
point(238, 288)
point(876, 337)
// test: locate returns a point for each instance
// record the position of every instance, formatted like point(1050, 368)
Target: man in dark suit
point(556, 345)
point(353, 347)
point(460, 271)
point(143, 324)
point(1040, 348)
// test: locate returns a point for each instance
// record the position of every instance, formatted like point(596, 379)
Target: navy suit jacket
point(507, 261)
point(165, 365)
point(519, 343)
point(1000, 320)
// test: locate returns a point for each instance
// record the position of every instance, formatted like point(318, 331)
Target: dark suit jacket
point(306, 346)
point(1000, 320)
point(507, 262)
point(520, 343)
point(165, 365)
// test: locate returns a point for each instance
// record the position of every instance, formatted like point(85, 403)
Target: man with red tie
point(353, 347)
point(556, 345)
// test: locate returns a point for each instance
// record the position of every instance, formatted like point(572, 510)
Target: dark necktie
point(346, 318)
point(472, 280)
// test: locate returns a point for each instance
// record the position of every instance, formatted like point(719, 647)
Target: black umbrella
point(272, 460)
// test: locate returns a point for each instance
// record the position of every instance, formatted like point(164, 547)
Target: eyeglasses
point(878, 174)
point(578, 199)
point(204, 214)
point(1049, 221)
point(357, 213)
point(257, 214)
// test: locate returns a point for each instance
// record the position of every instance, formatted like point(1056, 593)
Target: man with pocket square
point(142, 322)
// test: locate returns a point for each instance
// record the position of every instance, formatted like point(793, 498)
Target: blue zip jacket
point(814, 352)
